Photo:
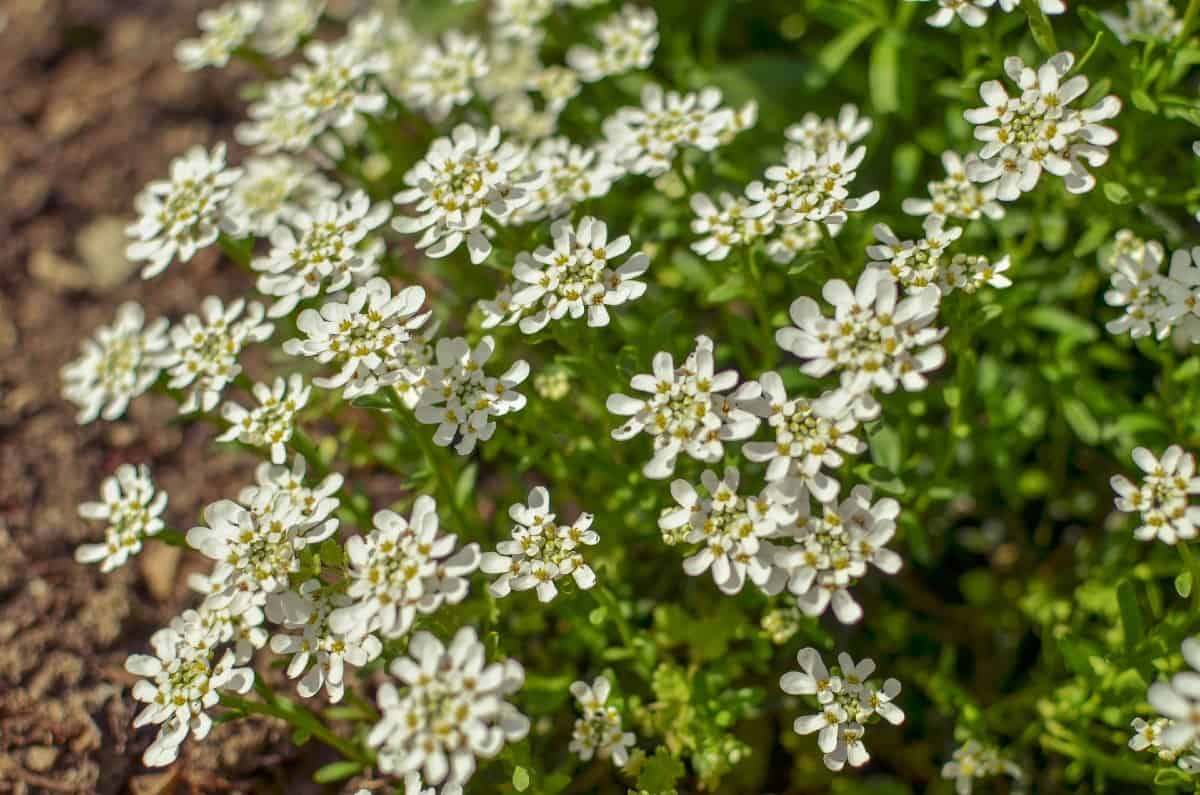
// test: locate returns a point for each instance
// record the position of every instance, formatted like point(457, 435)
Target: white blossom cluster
point(795, 199)
point(1163, 498)
point(627, 41)
point(1154, 303)
point(273, 27)
point(272, 422)
point(1153, 20)
point(973, 760)
point(1038, 131)
point(956, 196)
point(119, 363)
point(1175, 736)
point(686, 409)
point(132, 509)
point(848, 701)
point(598, 732)
point(572, 278)
point(204, 350)
point(540, 551)
point(917, 264)
point(974, 13)
point(451, 711)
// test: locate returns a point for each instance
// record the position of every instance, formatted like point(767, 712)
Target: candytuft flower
point(401, 568)
point(461, 399)
point(1038, 130)
point(627, 38)
point(540, 551)
point(686, 410)
point(224, 30)
point(118, 363)
point(204, 351)
point(271, 423)
point(972, 761)
point(646, 139)
point(452, 710)
point(1163, 498)
point(131, 508)
point(463, 181)
point(956, 196)
point(848, 702)
point(598, 733)
point(182, 214)
point(272, 191)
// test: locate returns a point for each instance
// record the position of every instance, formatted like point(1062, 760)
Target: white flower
point(1147, 19)
point(685, 410)
point(257, 546)
point(975, 761)
point(317, 503)
point(182, 214)
point(415, 358)
point(234, 617)
point(117, 364)
point(132, 510)
point(969, 272)
point(914, 264)
point(1179, 700)
point(204, 352)
point(181, 684)
point(401, 568)
point(810, 436)
point(452, 710)
point(286, 23)
point(974, 13)
point(738, 222)
point(1037, 130)
point(1162, 499)
point(567, 175)
point(440, 78)
point(731, 529)
point(848, 702)
point(1146, 294)
point(791, 240)
point(817, 134)
point(872, 341)
point(540, 551)
point(645, 140)
point(307, 609)
point(461, 180)
point(224, 30)
point(329, 91)
point(275, 190)
point(462, 399)
point(628, 40)
point(520, 19)
point(575, 277)
point(324, 254)
point(832, 548)
point(956, 196)
point(362, 335)
point(598, 732)
point(812, 185)
point(271, 423)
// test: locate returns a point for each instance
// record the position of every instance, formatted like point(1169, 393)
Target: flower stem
point(445, 482)
point(761, 310)
point(304, 720)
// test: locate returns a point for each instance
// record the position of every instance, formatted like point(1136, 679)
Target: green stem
point(445, 483)
point(761, 310)
point(307, 448)
point(1189, 21)
point(303, 720)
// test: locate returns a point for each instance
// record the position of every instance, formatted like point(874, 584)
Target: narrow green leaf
point(1132, 625)
point(337, 771)
point(1117, 193)
point(885, 73)
point(1080, 418)
point(1040, 26)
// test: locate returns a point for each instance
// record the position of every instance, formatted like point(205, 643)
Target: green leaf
point(835, 54)
point(1080, 418)
point(1117, 193)
point(730, 289)
point(337, 771)
point(660, 772)
point(378, 402)
point(520, 779)
point(1066, 325)
point(1132, 625)
point(1143, 101)
point(885, 73)
point(1183, 584)
point(1040, 26)
point(886, 449)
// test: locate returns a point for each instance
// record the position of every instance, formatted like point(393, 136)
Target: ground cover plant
point(784, 397)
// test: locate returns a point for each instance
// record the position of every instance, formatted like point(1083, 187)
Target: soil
point(92, 106)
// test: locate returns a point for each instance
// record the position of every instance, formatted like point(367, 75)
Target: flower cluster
point(540, 551)
point(1155, 303)
point(598, 733)
point(627, 40)
point(972, 761)
point(956, 196)
point(451, 711)
point(204, 351)
point(686, 410)
point(974, 13)
point(1038, 131)
point(132, 509)
point(1162, 499)
point(572, 278)
point(273, 421)
point(121, 362)
point(848, 702)
point(1154, 20)
point(1176, 735)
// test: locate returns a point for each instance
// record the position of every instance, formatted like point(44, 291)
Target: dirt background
point(92, 106)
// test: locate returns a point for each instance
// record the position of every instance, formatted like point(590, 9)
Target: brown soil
point(91, 107)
